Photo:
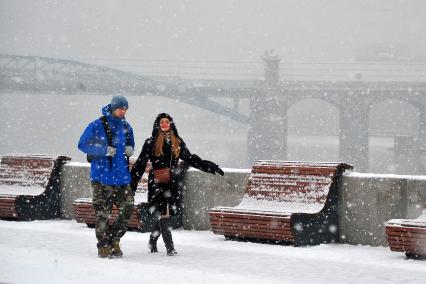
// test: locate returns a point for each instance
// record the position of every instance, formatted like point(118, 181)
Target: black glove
point(212, 168)
point(219, 171)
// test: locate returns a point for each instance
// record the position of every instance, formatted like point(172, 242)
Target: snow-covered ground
point(63, 251)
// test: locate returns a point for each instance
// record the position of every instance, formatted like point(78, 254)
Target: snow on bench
point(29, 186)
point(7, 189)
point(294, 202)
point(408, 235)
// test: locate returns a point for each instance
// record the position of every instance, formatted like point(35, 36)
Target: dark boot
point(167, 236)
point(116, 250)
point(104, 251)
point(155, 234)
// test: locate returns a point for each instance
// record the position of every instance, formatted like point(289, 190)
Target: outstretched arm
point(196, 162)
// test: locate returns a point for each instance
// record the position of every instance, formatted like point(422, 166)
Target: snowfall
point(64, 251)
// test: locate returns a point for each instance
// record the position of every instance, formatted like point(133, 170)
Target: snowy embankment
point(63, 251)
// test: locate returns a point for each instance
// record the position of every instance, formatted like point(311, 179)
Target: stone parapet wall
point(366, 201)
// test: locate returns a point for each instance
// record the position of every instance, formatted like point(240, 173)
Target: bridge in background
point(270, 86)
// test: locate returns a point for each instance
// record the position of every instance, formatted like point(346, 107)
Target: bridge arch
point(313, 130)
point(395, 117)
point(394, 129)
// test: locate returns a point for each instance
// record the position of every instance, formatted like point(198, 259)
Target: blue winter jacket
point(94, 142)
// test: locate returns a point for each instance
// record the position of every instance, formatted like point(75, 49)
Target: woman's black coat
point(166, 193)
point(166, 161)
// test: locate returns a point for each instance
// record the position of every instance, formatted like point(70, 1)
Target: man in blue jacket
point(109, 141)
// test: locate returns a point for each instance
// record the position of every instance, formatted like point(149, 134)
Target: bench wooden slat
point(217, 222)
point(255, 215)
point(409, 244)
point(7, 199)
point(273, 183)
point(255, 235)
point(305, 196)
point(252, 227)
point(244, 231)
point(404, 224)
point(25, 173)
point(408, 231)
point(269, 222)
point(277, 186)
point(241, 223)
point(8, 208)
point(406, 238)
point(319, 172)
point(27, 160)
point(23, 183)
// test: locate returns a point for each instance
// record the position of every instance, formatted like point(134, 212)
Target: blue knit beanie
point(119, 102)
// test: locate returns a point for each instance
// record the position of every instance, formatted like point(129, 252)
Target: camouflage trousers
point(104, 197)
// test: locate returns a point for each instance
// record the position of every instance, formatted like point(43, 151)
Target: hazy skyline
point(325, 30)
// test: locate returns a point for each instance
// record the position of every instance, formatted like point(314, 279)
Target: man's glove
point(128, 150)
point(111, 151)
point(212, 168)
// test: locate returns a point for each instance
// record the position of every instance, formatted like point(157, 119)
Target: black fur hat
point(156, 126)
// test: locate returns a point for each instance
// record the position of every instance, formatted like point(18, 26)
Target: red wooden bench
point(294, 202)
point(29, 186)
point(408, 235)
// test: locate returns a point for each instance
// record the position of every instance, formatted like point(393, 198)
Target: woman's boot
point(155, 234)
point(167, 236)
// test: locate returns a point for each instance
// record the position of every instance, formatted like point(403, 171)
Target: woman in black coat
point(164, 149)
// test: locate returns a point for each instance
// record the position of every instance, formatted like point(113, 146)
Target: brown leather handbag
point(162, 175)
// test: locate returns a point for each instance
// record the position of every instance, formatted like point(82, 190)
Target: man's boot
point(116, 250)
point(167, 236)
point(104, 251)
point(155, 234)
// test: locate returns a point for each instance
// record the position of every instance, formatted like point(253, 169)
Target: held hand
point(128, 150)
point(133, 187)
point(111, 151)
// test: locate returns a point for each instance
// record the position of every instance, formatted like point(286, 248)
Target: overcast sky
point(321, 30)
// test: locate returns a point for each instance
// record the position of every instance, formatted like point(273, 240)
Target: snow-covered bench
point(29, 186)
point(408, 235)
point(293, 202)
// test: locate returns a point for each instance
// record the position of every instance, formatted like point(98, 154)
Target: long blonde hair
point(159, 143)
